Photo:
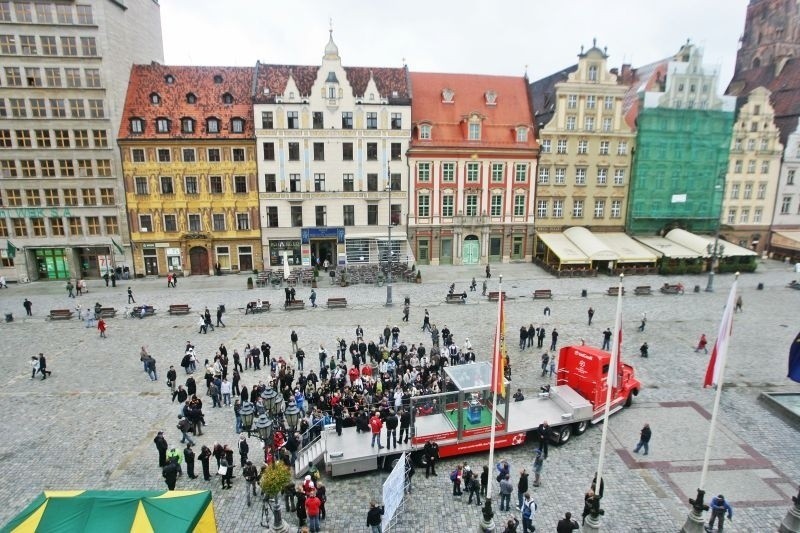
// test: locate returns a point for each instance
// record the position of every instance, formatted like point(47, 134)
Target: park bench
point(60, 314)
point(495, 296)
point(107, 312)
point(336, 303)
point(179, 309)
point(149, 310)
point(455, 299)
point(614, 291)
point(294, 305)
point(643, 290)
point(252, 308)
point(542, 294)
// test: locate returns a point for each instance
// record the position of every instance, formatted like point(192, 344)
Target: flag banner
point(720, 351)
point(794, 360)
point(499, 356)
point(119, 248)
point(11, 250)
point(615, 364)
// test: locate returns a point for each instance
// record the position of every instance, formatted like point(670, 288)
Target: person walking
point(488, 272)
point(506, 488)
point(101, 327)
point(70, 287)
point(250, 473)
point(34, 366)
point(426, 321)
point(522, 488)
point(313, 298)
point(554, 340)
point(474, 285)
point(293, 338)
point(643, 323)
point(484, 288)
point(567, 524)
point(644, 439)
point(590, 312)
point(244, 449)
point(220, 312)
point(27, 305)
point(185, 426)
point(374, 517)
point(528, 509)
point(718, 508)
point(738, 308)
point(702, 344)
point(606, 339)
point(130, 296)
point(406, 311)
point(43, 366)
point(538, 465)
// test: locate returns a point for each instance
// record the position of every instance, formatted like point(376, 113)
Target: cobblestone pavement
point(92, 424)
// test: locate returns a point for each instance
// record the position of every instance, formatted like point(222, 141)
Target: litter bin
point(760, 287)
point(697, 288)
point(584, 293)
point(9, 317)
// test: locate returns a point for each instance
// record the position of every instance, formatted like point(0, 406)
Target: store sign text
point(35, 212)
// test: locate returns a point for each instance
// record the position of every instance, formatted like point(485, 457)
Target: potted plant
point(314, 279)
point(274, 478)
point(419, 277)
point(249, 282)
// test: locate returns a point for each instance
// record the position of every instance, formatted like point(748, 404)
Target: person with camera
point(374, 517)
point(567, 524)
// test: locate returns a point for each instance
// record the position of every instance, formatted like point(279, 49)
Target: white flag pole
point(496, 367)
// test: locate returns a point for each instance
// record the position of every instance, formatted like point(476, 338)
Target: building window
point(294, 151)
point(69, 46)
point(571, 123)
point(580, 176)
point(786, 203)
point(89, 197)
point(237, 125)
point(396, 149)
point(372, 215)
point(496, 205)
point(57, 108)
point(48, 45)
point(544, 175)
point(588, 124)
point(604, 145)
point(13, 77)
point(737, 166)
point(607, 124)
point(572, 101)
point(272, 216)
point(141, 185)
point(765, 167)
point(137, 125)
point(75, 226)
point(227, 98)
point(762, 191)
point(731, 215)
point(790, 176)
point(56, 227)
point(92, 77)
point(348, 215)
point(473, 172)
point(270, 183)
point(372, 151)
point(751, 166)
point(397, 121)
point(471, 205)
point(164, 155)
point(66, 167)
point(751, 145)
point(237, 154)
point(541, 208)
point(321, 215)
point(189, 155)
point(372, 120)
point(317, 121)
point(448, 172)
point(347, 151)
point(294, 182)
point(522, 135)
point(372, 182)
point(146, 223)
point(242, 221)
point(267, 120)
point(423, 171)
point(764, 145)
point(347, 120)
point(608, 103)
point(51, 197)
point(520, 173)
point(20, 227)
point(583, 147)
point(319, 182)
point(619, 176)
point(616, 208)
point(424, 205)
point(212, 125)
point(425, 132)
point(166, 185)
point(170, 223)
point(348, 182)
point(107, 196)
point(744, 216)
point(194, 222)
point(734, 191)
point(215, 184)
point(577, 208)
point(218, 223)
point(474, 131)
point(319, 151)
point(162, 125)
point(190, 184)
point(112, 225)
point(240, 184)
point(622, 148)
point(297, 216)
point(561, 146)
point(32, 197)
point(560, 177)
point(599, 208)
point(53, 77)
point(591, 102)
point(448, 205)
point(47, 167)
point(33, 76)
point(28, 168)
point(269, 151)
point(498, 171)
point(23, 138)
point(88, 46)
point(214, 155)
point(187, 125)
point(558, 208)
point(592, 74)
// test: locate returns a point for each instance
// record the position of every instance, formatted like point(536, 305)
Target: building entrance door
point(446, 253)
point(423, 251)
point(495, 249)
point(472, 250)
point(516, 247)
point(324, 249)
point(198, 258)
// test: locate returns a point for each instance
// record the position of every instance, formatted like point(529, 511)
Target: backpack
point(454, 476)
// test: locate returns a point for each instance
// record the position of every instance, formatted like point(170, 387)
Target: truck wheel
point(629, 399)
point(564, 434)
point(581, 427)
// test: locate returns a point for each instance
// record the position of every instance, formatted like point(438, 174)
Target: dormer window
point(212, 125)
point(448, 95)
point(217, 79)
point(137, 125)
point(491, 98)
point(162, 125)
point(187, 125)
point(169, 79)
point(227, 98)
point(237, 125)
point(593, 72)
point(191, 98)
point(155, 98)
point(522, 135)
point(425, 132)
point(474, 128)
point(372, 97)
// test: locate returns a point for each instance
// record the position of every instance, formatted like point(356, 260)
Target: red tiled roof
point(498, 128)
point(642, 78)
point(200, 81)
point(389, 81)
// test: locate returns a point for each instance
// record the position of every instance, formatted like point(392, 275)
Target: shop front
point(278, 246)
point(51, 263)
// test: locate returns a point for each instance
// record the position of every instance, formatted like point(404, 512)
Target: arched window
point(187, 125)
point(170, 79)
point(137, 125)
point(227, 98)
point(155, 98)
point(217, 79)
point(191, 98)
point(212, 125)
point(237, 125)
point(162, 125)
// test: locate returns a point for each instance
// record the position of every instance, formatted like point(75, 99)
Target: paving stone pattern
point(91, 425)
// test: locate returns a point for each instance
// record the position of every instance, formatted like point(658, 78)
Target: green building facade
point(682, 146)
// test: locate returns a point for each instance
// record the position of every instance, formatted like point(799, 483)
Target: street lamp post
point(716, 251)
point(389, 276)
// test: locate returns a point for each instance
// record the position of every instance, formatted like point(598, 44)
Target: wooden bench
point(294, 304)
point(252, 308)
point(614, 291)
point(336, 303)
point(179, 309)
point(495, 296)
point(455, 299)
point(149, 310)
point(543, 294)
point(60, 314)
point(107, 312)
point(643, 290)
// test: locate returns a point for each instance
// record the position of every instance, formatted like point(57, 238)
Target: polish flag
point(716, 365)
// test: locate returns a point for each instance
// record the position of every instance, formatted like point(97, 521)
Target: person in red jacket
point(702, 344)
point(376, 424)
point(313, 505)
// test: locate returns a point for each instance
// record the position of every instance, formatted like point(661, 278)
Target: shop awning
point(565, 249)
point(628, 250)
point(789, 240)
point(667, 248)
point(699, 244)
point(590, 245)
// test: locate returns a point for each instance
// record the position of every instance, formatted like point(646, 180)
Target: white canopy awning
point(567, 252)
point(786, 239)
point(667, 248)
point(628, 250)
point(699, 244)
point(590, 245)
